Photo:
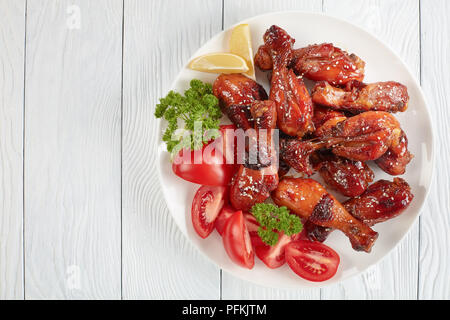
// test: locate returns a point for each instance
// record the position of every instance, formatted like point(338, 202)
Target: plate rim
point(312, 285)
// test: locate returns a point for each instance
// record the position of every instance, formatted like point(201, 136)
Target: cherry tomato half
point(312, 261)
point(207, 203)
point(236, 241)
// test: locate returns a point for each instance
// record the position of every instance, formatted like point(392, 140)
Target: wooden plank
point(12, 35)
point(235, 11)
point(158, 261)
point(73, 149)
point(435, 222)
point(397, 24)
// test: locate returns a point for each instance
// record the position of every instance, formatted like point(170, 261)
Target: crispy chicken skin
point(253, 182)
point(382, 201)
point(397, 157)
point(292, 99)
point(319, 62)
point(309, 200)
point(348, 177)
point(358, 97)
point(236, 93)
point(314, 232)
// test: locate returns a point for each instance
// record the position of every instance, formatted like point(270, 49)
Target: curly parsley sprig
point(198, 105)
point(273, 219)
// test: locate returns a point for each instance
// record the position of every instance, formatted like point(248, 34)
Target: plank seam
point(121, 155)
point(23, 149)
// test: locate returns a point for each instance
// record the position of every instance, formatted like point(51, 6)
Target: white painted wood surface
point(434, 268)
point(12, 48)
point(95, 223)
point(73, 149)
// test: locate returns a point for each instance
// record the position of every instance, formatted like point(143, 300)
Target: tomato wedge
point(236, 241)
point(312, 261)
point(274, 256)
point(252, 227)
point(212, 168)
point(226, 212)
point(207, 203)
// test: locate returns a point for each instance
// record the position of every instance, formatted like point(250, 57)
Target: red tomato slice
point(273, 256)
point(226, 212)
point(206, 207)
point(236, 241)
point(211, 170)
point(312, 261)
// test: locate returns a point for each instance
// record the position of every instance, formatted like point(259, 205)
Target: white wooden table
point(81, 212)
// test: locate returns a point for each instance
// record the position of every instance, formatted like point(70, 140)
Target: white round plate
point(382, 64)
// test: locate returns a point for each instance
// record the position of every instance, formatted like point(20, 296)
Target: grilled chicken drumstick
point(309, 200)
point(382, 201)
point(366, 136)
point(393, 161)
point(351, 178)
point(326, 62)
point(236, 93)
point(358, 97)
point(292, 99)
point(318, 62)
point(254, 182)
point(363, 137)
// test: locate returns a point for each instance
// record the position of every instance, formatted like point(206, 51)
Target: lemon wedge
point(219, 63)
point(241, 45)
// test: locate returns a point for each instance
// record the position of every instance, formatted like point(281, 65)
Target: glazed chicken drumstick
point(393, 161)
point(319, 62)
point(292, 99)
point(358, 97)
point(253, 182)
point(382, 201)
point(348, 177)
point(309, 200)
point(236, 93)
point(364, 137)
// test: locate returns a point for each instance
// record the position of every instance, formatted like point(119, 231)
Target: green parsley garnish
point(198, 109)
point(273, 219)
